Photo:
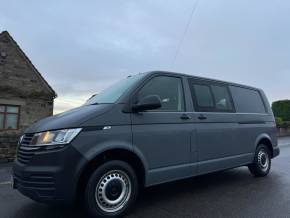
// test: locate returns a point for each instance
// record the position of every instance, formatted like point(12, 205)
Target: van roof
point(202, 78)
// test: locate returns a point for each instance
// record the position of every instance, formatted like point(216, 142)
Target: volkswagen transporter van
point(147, 129)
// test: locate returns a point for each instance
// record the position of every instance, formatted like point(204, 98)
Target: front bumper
point(276, 151)
point(49, 177)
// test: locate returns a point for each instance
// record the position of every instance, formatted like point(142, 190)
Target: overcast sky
point(81, 47)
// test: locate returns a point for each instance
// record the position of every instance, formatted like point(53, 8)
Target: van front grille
point(25, 152)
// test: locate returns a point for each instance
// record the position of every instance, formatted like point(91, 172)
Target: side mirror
point(149, 102)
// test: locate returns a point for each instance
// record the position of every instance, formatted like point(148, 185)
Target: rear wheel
point(111, 190)
point(262, 162)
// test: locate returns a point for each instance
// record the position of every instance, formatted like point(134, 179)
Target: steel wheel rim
point(103, 191)
point(263, 159)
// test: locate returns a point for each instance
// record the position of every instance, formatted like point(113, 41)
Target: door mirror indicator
point(149, 102)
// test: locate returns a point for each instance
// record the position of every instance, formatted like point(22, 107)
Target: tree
point(282, 109)
point(279, 121)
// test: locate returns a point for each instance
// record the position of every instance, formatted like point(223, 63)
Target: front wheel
point(262, 162)
point(111, 190)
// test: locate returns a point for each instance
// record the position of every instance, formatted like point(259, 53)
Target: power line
point(184, 33)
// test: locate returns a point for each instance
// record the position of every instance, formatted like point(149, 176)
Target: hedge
point(282, 109)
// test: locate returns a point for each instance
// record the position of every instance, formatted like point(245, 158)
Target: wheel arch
point(265, 139)
point(122, 154)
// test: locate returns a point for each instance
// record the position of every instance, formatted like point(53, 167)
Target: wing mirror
point(149, 102)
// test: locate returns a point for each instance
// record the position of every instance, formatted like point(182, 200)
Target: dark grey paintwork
point(69, 119)
point(169, 147)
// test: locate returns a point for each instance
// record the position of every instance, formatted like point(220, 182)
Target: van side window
point(203, 96)
point(247, 100)
point(170, 91)
point(222, 98)
point(210, 97)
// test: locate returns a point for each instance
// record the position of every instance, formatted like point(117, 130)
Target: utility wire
point(184, 33)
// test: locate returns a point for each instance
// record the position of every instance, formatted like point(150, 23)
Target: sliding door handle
point(202, 117)
point(185, 117)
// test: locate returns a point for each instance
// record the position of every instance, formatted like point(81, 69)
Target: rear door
point(216, 126)
point(162, 136)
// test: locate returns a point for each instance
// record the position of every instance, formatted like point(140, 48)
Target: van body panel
point(216, 139)
point(251, 134)
point(249, 118)
point(69, 119)
point(162, 137)
point(223, 163)
point(113, 117)
point(169, 149)
point(92, 143)
point(171, 173)
point(264, 136)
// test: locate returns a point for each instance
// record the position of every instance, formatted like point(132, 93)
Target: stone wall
point(8, 147)
point(282, 132)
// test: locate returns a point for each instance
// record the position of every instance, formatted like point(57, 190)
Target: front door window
point(170, 91)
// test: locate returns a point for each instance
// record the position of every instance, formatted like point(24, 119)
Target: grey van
point(148, 129)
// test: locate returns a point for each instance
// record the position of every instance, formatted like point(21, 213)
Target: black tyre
point(262, 161)
point(111, 190)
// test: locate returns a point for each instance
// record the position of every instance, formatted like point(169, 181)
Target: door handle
point(202, 117)
point(185, 117)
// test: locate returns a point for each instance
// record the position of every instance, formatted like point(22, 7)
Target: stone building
point(25, 96)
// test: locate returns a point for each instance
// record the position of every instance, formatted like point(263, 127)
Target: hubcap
point(263, 159)
point(113, 191)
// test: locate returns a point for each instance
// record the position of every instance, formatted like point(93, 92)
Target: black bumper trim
point(276, 151)
point(49, 177)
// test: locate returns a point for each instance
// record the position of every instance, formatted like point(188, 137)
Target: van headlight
point(56, 137)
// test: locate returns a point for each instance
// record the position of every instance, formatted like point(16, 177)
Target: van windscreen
point(113, 93)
